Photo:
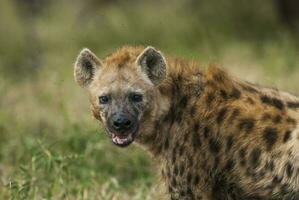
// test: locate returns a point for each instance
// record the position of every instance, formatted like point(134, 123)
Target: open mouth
point(123, 140)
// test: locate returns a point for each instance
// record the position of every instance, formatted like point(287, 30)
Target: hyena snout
point(122, 123)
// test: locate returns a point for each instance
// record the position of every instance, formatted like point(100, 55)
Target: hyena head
point(123, 90)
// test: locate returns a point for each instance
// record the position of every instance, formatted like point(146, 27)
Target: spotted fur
point(214, 136)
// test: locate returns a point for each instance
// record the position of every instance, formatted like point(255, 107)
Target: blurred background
point(50, 147)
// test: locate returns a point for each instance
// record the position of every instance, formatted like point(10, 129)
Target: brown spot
point(124, 61)
point(166, 144)
point(223, 94)
point(216, 163)
point(196, 180)
point(168, 174)
point(242, 155)
point(170, 117)
point(229, 143)
point(196, 141)
point(190, 161)
point(291, 120)
point(250, 101)
point(182, 169)
point(158, 150)
point(178, 116)
point(173, 182)
point(190, 193)
point(181, 150)
point(274, 102)
point(175, 170)
point(289, 169)
point(270, 137)
point(229, 165)
point(206, 132)
point(210, 98)
point(277, 119)
point(254, 157)
point(250, 89)
point(233, 115)
point(189, 178)
point(193, 110)
point(276, 180)
point(287, 136)
point(170, 190)
point(266, 116)
point(173, 159)
point(236, 94)
point(219, 77)
point(261, 174)
point(246, 124)
point(183, 102)
point(214, 145)
point(182, 193)
point(293, 105)
point(211, 84)
point(196, 127)
point(221, 115)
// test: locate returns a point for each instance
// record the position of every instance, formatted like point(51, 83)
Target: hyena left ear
point(153, 64)
point(86, 65)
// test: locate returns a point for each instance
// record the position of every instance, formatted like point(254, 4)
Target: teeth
point(119, 140)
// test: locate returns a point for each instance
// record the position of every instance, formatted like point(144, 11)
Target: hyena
point(214, 136)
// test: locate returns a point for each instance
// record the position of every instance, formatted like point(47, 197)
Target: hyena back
point(214, 136)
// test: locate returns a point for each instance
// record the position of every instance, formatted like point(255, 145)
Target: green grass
point(65, 170)
point(50, 147)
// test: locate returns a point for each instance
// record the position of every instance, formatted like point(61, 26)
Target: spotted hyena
point(215, 136)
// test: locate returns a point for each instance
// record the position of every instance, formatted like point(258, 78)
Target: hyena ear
point(153, 64)
point(86, 65)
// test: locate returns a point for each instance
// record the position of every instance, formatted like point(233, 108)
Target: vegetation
point(50, 147)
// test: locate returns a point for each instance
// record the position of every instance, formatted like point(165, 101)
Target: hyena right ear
point(153, 64)
point(86, 65)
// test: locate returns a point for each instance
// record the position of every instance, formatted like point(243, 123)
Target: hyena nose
point(121, 123)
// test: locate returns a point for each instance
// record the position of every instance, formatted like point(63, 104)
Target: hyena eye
point(103, 99)
point(136, 98)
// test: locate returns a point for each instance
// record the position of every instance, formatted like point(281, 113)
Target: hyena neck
point(193, 97)
point(181, 89)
